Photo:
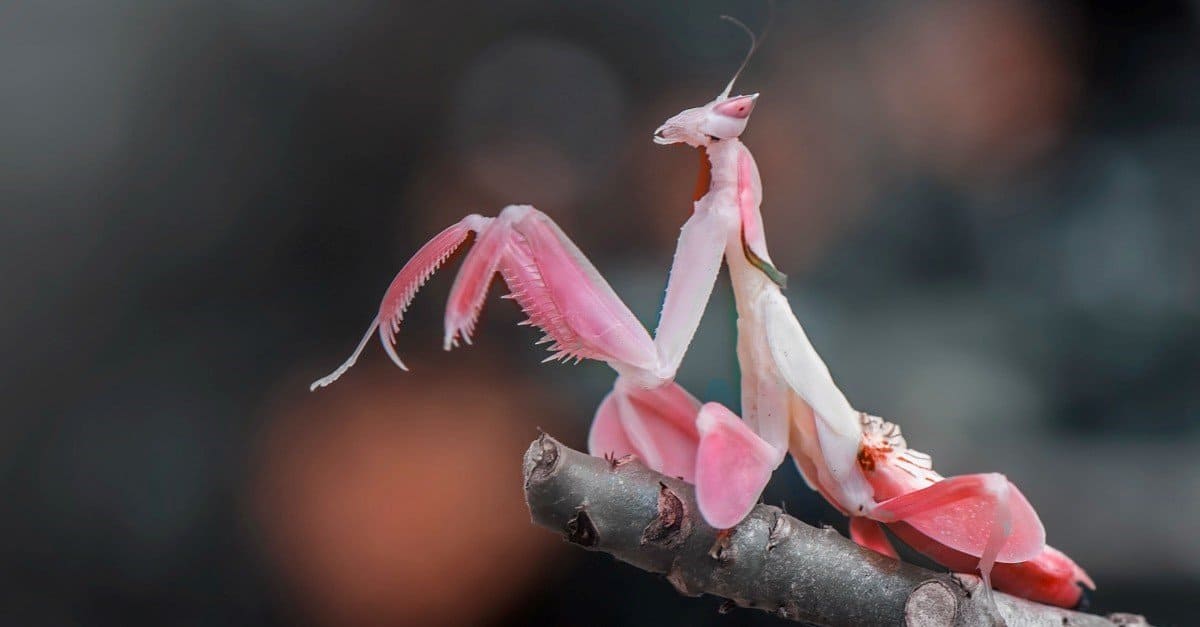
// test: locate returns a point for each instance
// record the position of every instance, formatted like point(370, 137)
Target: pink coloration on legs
point(655, 425)
point(1050, 577)
point(733, 466)
point(402, 289)
point(471, 285)
point(555, 285)
point(869, 534)
point(935, 514)
point(981, 515)
point(567, 298)
point(607, 435)
point(413, 275)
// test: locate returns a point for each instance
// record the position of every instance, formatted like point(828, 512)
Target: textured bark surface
point(770, 561)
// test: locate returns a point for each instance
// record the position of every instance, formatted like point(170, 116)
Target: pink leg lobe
point(982, 515)
point(733, 466)
point(655, 425)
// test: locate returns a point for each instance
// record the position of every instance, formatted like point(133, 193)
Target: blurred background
point(988, 211)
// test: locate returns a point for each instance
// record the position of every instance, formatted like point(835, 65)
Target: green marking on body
point(765, 266)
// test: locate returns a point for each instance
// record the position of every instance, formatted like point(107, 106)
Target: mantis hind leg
point(656, 425)
point(733, 465)
point(949, 512)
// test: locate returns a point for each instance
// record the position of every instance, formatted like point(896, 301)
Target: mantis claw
point(402, 290)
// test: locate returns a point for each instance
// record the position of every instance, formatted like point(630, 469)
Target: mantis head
point(723, 118)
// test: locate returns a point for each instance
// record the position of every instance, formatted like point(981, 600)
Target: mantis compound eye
point(728, 118)
point(738, 108)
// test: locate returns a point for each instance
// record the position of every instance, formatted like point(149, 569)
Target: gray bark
point(770, 561)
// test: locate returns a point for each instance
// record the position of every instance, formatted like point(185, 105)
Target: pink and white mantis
point(790, 403)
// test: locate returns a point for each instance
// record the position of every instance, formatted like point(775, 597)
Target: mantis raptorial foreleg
point(647, 414)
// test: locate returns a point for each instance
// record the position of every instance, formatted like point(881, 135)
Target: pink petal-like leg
point(402, 289)
point(558, 288)
point(1051, 577)
point(565, 296)
point(868, 533)
point(656, 425)
point(982, 515)
point(733, 466)
point(552, 281)
point(607, 435)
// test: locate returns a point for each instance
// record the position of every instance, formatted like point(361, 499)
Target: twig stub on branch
point(769, 561)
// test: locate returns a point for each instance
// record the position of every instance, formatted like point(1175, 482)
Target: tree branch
point(770, 561)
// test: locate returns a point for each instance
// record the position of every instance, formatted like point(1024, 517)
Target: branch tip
point(541, 460)
point(932, 603)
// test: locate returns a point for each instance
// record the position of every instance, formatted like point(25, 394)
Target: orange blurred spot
point(397, 500)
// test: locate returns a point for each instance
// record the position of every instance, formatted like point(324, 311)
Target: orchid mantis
point(790, 403)
point(859, 463)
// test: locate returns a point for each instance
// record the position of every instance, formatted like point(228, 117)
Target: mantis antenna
point(755, 42)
